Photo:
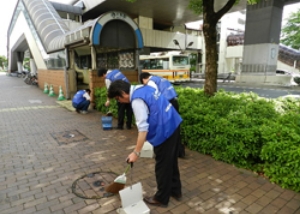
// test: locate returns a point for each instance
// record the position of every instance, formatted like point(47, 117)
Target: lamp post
point(188, 45)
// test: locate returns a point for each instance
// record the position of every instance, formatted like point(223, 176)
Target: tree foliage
point(26, 63)
point(3, 62)
point(210, 20)
point(290, 33)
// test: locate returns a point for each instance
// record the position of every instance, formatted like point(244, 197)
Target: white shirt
point(152, 84)
point(86, 96)
point(140, 110)
point(107, 81)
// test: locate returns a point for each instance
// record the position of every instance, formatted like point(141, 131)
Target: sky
point(8, 7)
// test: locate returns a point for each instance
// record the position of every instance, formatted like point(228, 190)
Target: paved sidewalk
point(44, 148)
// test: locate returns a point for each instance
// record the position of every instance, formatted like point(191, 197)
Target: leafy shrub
point(281, 151)
point(297, 80)
point(245, 130)
point(101, 97)
point(226, 126)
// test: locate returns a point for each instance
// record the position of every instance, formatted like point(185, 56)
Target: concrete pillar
point(144, 22)
point(222, 63)
point(20, 57)
point(32, 66)
point(262, 36)
point(93, 58)
point(20, 66)
point(203, 58)
point(199, 62)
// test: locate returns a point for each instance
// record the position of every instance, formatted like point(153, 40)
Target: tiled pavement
point(37, 172)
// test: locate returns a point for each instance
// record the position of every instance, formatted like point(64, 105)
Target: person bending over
point(158, 122)
point(167, 90)
point(162, 85)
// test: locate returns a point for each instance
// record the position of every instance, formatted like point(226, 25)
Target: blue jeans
point(84, 105)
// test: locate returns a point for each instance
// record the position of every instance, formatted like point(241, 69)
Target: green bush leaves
point(245, 130)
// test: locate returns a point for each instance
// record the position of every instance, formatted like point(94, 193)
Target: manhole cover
point(67, 137)
point(92, 185)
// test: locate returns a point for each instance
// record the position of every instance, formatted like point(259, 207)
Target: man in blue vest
point(81, 101)
point(162, 85)
point(167, 90)
point(123, 108)
point(158, 123)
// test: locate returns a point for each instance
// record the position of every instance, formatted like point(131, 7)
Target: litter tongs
point(108, 113)
point(122, 178)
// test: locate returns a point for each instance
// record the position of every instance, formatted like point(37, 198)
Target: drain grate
point(92, 185)
point(67, 137)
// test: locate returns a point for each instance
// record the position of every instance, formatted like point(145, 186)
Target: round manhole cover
point(68, 135)
point(92, 185)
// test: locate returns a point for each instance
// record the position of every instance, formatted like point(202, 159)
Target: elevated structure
point(67, 43)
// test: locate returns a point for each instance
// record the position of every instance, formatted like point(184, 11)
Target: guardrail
point(171, 75)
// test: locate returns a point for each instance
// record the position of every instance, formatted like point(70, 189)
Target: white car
point(281, 72)
point(292, 96)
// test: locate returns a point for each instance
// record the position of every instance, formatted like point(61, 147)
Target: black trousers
point(124, 108)
point(175, 104)
point(166, 168)
point(181, 150)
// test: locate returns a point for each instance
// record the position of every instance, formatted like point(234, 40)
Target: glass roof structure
point(48, 23)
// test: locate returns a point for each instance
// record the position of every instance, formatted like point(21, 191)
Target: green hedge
point(101, 97)
point(241, 129)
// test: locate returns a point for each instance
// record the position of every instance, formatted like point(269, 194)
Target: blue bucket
point(106, 122)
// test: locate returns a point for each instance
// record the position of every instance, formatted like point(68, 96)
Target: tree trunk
point(210, 38)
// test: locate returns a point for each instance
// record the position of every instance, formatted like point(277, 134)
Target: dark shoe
point(120, 128)
point(152, 201)
point(177, 197)
point(128, 127)
point(78, 111)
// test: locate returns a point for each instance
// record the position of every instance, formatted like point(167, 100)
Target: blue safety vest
point(116, 75)
point(165, 87)
point(163, 119)
point(78, 97)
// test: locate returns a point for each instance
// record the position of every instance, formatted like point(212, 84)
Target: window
point(180, 60)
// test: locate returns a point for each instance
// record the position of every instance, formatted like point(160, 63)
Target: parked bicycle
point(22, 74)
point(31, 79)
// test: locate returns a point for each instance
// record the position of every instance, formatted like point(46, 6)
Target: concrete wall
point(144, 22)
point(261, 79)
point(234, 51)
point(164, 39)
point(283, 66)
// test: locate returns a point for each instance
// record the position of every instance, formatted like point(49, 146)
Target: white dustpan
point(132, 200)
point(121, 179)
